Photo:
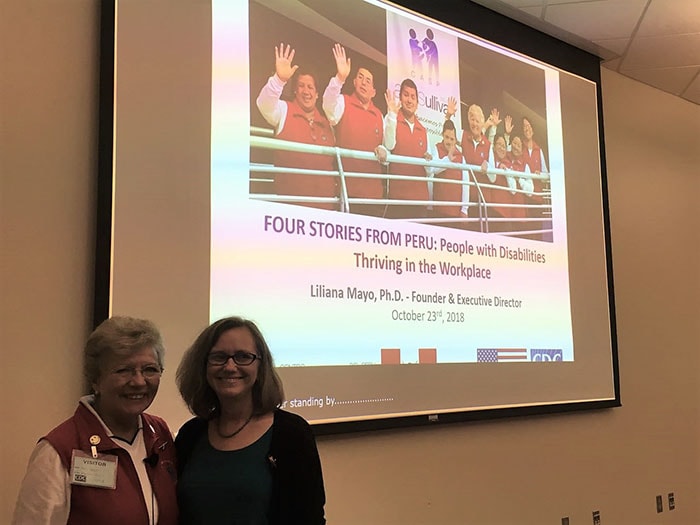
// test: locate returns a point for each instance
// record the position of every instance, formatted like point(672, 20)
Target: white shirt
point(272, 108)
point(334, 101)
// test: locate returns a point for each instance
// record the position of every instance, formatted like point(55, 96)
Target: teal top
point(226, 487)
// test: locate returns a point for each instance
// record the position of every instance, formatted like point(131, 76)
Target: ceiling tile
point(514, 3)
point(668, 17)
point(615, 45)
point(663, 51)
point(644, 39)
point(514, 8)
point(597, 20)
point(693, 91)
point(551, 2)
point(535, 11)
point(673, 80)
point(612, 64)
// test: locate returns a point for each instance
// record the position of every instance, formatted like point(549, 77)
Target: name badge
point(100, 471)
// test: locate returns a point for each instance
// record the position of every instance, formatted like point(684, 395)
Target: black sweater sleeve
point(298, 494)
point(186, 439)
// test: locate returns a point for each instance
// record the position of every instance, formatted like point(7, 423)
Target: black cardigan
point(298, 496)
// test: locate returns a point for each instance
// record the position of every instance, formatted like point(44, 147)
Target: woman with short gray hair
point(110, 463)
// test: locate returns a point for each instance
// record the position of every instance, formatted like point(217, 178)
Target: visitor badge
point(100, 471)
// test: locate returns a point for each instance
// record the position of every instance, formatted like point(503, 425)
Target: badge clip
point(94, 441)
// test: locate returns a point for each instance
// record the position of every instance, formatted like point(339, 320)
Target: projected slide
point(412, 215)
point(351, 222)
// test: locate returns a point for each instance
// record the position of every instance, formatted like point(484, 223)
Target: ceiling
point(654, 41)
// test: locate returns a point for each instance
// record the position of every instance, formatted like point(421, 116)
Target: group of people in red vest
point(505, 149)
point(353, 122)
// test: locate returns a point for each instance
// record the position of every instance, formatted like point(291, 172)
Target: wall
point(532, 470)
point(48, 146)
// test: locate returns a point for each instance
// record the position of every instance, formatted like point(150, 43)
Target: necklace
point(235, 432)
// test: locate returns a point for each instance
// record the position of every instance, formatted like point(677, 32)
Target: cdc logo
point(545, 354)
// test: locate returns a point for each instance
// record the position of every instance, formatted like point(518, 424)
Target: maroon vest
point(448, 192)
point(361, 129)
point(503, 196)
point(409, 144)
point(298, 128)
point(477, 155)
point(534, 162)
point(518, 164)
point(123, 505)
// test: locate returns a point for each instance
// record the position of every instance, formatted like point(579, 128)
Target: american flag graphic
point(495, 355)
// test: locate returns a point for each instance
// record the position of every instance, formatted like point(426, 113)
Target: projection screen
point(403, 272)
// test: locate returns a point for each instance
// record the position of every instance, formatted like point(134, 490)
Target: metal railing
point(263, 139)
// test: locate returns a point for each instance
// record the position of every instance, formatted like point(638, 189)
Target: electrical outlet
point(671, 501)
point(596, 517)
point(565, 520)
point(659, 504)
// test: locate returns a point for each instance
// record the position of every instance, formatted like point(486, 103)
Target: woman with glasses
point(110, 463)
point(242, 460)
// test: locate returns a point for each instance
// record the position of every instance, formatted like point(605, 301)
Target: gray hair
point(119, 335)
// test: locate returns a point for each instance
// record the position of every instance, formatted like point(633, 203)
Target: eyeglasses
point(240, 358)
point(128, 372)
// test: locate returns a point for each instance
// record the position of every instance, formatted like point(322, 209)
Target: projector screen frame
point(465, 16)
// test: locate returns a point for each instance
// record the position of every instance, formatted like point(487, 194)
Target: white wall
point(524, 471)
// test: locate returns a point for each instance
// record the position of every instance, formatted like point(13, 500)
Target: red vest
point(361, 129)
point(298, 128)
point(518, 164)
point(504, 196)
point(477, 155)
point(534, 161)
point(409, 144)
point(123, 505)
point(448, 192)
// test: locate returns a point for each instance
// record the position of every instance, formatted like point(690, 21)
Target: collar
point(153, 441)
point(478, 142)
point(416, 121)
point(298, 111)
point(89, 403)
point(355, 101)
